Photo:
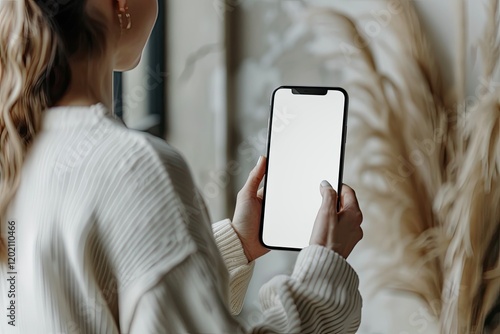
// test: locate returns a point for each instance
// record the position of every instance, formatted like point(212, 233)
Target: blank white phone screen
point(305, 148)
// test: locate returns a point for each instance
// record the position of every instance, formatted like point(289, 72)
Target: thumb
point(328, 193)
point(326, 212)
point(256, 176)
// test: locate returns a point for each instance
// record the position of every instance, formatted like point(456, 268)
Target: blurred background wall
point(210, 99)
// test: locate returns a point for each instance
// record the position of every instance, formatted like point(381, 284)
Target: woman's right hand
point(339, 231)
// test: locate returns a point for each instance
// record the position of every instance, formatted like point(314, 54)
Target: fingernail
point(260, 159)
point(325, 183)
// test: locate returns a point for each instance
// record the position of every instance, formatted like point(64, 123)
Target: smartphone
point(306, 143)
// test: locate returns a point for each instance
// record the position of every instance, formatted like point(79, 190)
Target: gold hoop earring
point(124, 12)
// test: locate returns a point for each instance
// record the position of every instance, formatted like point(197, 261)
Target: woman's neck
point(91, 83)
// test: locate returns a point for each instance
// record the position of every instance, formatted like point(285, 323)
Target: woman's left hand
point(246, 220)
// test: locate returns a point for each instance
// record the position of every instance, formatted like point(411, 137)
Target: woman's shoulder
point(137, 154)
point(151, 148)
point(95, 135)
point(93, 149)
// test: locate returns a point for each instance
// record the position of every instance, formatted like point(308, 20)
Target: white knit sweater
point(111, 236)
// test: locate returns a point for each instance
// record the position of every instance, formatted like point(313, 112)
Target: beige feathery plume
point(402, 118)
point(435, 204)
point(470, 205)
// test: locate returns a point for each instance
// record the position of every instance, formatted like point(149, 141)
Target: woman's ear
point(122, 5)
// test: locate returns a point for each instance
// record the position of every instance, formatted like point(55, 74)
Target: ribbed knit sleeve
point(240, 271)
point(320, 296)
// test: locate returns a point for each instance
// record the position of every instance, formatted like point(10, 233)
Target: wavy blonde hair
point(37, 39)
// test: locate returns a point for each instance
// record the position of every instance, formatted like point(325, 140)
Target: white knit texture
point(240, 271)
point(112, 236)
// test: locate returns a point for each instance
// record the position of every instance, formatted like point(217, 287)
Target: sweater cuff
point(317, 263)
point(240, 270)
point(229, 244)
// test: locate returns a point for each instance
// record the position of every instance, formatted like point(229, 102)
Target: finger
point(256, 176)
point(327, 208)
point(348, 198)
point(260, 193)
point(329, 194)
point(350, 207)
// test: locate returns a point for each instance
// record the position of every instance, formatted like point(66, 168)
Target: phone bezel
point(268, 146)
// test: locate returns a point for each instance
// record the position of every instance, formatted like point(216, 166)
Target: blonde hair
point(36, 43)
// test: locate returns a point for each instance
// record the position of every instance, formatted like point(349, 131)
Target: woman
point(103, 230)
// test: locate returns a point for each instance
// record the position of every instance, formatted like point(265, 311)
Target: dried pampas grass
point(437, 200)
